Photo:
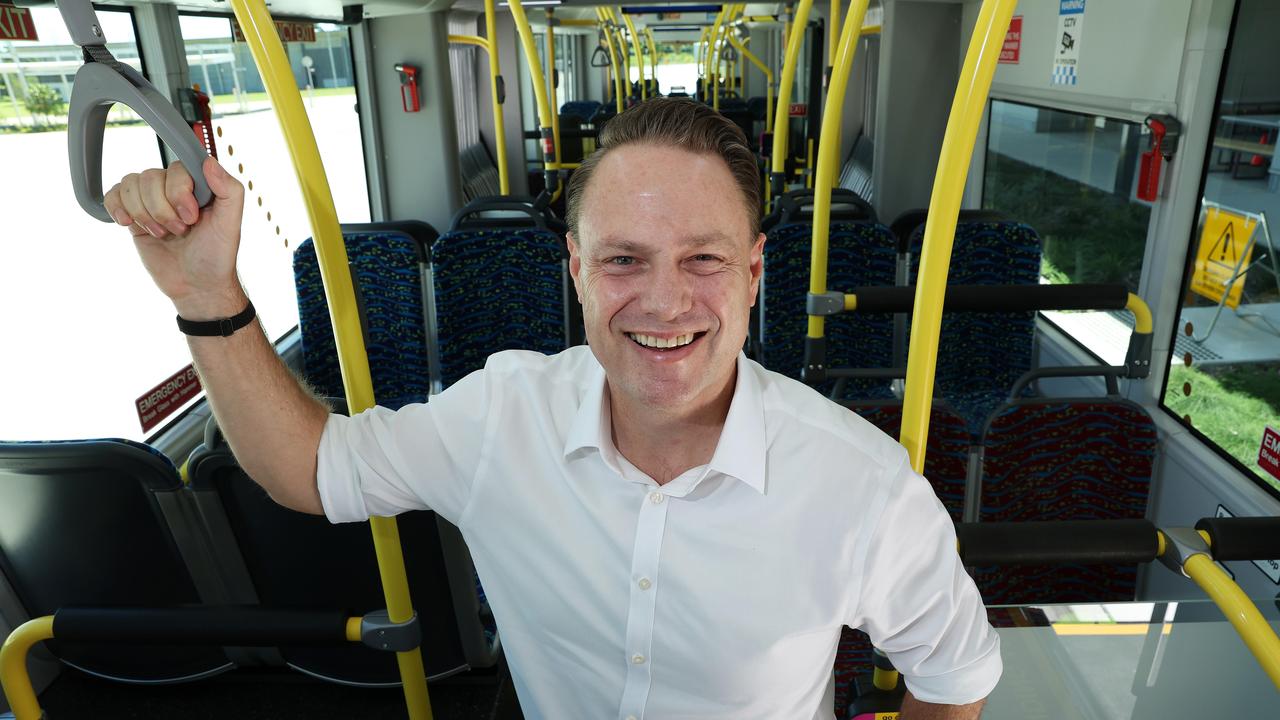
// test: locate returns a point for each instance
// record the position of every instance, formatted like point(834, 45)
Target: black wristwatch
point(222, 327)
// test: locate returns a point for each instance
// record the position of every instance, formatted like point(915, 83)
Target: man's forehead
point(612, 242)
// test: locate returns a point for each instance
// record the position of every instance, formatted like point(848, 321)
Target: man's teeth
point(661, 343)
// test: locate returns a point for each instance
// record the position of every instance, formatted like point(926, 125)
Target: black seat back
point(82, 523)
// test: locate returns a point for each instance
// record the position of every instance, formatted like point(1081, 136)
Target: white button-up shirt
point(720, 594)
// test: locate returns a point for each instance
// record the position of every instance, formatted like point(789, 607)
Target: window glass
point(1224, 373)
point(677, 67)
point(86, 331)
point(1073, 178)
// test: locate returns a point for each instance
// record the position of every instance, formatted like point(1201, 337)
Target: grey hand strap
point(102, 82)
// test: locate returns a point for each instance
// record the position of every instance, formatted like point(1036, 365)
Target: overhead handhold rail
point(102, 82)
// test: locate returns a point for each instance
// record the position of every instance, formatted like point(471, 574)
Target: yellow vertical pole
point(653, 58)
point(635, 44)
point(495, 71)
point(829, 155)
point(786, 82)
point(944, 206)
point(551, 90)
point(835, 33)
point(624, 54)
point(713, 50)
point(545, 111)
point(260, 32)
point(613, 60)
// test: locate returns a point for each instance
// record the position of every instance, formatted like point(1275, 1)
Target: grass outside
point(1230, 405)
point(225, 104)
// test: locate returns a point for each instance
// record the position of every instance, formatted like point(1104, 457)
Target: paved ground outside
point(86, 331)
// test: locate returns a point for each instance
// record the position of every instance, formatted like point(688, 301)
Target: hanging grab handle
point(102, 82)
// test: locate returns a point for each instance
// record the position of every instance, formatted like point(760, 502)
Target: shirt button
point(656, 497)
point(645, 583)
point(638, 659)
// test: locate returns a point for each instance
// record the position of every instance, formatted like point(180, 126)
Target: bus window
point(250, 145)
point(86, 331)
point(1224, 373)
point(1073, 178)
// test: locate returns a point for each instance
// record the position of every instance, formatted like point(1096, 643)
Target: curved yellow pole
point(1141, 314)
point(944, 207)
point(14, 678)
point(264, 42)
point(545, 112)
point(551, 91)
point(702, 54)
point(470, 40)
point(768, 77)
point(835, 34)
point(786, 82)
point(495, 72)
point(829, 154)
point(624, 53)
point(1243, 615)
point(653, 58)
point(635, 44)
point(613, 60)
point(713, 57)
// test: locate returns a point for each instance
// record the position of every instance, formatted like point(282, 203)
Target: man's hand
point(913, 709)
point(189, 251)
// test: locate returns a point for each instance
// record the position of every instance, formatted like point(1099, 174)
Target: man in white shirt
point(664, 528)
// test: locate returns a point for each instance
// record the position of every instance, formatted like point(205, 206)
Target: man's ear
point(575, 263)
point(757, 266)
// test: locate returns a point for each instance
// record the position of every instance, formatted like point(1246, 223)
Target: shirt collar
point(740, 452)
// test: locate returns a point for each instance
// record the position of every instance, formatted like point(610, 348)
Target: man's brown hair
point(681, 123)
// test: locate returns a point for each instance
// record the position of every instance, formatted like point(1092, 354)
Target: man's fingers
point(179, 190)
point(154, 199)
point(223, 186)
point(111, 201)
point(131, 200)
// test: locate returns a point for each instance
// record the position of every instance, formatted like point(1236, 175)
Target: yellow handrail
point(613, 60)
point(713, 64)
point(331, 253)
point(470, 40)
point(785, 83)
point(835, 36)
point(1141, 314)
point(551, 90)
point(768, 77)
point(624, 53)
point(653, 58)
point(551, 171)
point(1240, 611)
point(829, 154)
point(495, 72)
point(944, 207)
point(635, 43)
point(14, 678)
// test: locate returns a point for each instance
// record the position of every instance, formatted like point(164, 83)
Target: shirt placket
point(643, 601)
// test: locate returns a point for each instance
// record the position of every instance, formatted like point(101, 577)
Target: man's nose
point(669, 294)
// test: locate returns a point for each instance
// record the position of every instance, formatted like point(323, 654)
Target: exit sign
point(16, 23)
point(799, 109)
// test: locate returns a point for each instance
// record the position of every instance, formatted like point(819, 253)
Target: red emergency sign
point(16, 23)
point(799, 109)
point(1011, 51)
point(166, 398)
point(1269, 452)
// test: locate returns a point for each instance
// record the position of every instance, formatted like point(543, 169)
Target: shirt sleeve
point(384, 462)
point(920, 606)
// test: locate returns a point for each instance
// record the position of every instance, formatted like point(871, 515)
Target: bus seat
point(1056, 459)
point(585, 109)
point(501, 282)
point(277, 557)
point(861, 253)
point(388, 267)
point(101, 523)
point(982, 354)
point(947, 451)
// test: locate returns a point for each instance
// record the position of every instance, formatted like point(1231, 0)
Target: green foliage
point(1088, 235)
point(1230, 405)
point(44, 101)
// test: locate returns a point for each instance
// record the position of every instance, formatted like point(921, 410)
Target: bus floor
point(278, 695)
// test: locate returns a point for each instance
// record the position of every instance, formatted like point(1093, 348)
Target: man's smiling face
point(667, 271)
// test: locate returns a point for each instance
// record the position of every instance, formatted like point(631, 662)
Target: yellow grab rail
point(967, 110)
point(613, 60)
point(635, 44)
point(14, 678)
point(786, 82)
point(624, 53)
point(768, 77)
point(829, 154)
point(331, 253)
point(550, 169)
point(1240, 611)
point(653, 58)
point(551, 91)
point(713, 52)
point(470, 40)
point(495, 75)
point(834, 42)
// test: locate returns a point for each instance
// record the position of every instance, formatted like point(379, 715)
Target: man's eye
point(705, 258)
point(621, 260)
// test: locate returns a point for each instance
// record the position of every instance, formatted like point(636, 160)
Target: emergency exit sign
point(16, 23)
point(288, 31)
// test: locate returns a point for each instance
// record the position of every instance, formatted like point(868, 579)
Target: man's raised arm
point(270, 420)
point(913, 709)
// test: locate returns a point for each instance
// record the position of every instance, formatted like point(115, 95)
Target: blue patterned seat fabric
point(1056, 459)
point(585, 109)
point(388, 269)
point(497, 289)
point(981, 355)
point(861, 253)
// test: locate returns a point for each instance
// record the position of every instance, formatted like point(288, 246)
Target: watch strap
point(222, 327)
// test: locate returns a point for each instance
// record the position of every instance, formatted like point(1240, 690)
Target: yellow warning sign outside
point(1224, 238)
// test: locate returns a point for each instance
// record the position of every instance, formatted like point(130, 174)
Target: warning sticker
point(1011, 51)
point(16, 23)
point(1223, 253)
point(1066, 52)
point(166, 398)
point(1269, 452)
point(287, 30)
